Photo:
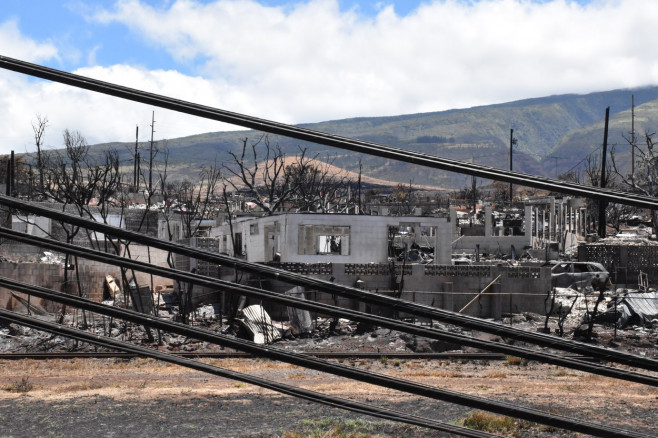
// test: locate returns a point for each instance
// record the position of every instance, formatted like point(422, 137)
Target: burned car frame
point(566, 274)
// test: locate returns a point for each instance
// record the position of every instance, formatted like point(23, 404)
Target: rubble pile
point(338, 336)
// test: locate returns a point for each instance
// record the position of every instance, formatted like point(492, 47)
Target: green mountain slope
point(553, 133)
point(586, 142)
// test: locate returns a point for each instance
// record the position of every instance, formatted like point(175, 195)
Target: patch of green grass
point(335, 427)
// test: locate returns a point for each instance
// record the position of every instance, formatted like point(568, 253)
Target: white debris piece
point(49, 257)
point(257, 321)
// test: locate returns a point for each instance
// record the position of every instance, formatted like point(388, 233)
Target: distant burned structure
point(375, 253)
point(333, 238)
point(414, 257)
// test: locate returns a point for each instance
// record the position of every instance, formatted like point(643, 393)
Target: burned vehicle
point(580, 274)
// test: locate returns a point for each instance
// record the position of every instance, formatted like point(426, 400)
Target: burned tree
point(644, 178)
point(197, 200)
point(39, 128)
point(73, 178)
point(317, 186)
point(260, 170)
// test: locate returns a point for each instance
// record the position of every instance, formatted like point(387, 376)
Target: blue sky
point(309, 61)
point(66, 24)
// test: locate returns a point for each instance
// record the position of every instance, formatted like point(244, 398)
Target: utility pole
point(151, 156)
point(136, 165)
point(359, 188)
point(603, 204)
point(473, 193)
point(8, 179)
point(13, 175)
point(512, 142)
point(632, 136)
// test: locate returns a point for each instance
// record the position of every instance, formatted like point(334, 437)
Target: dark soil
point(197, 405)
point(229, 416)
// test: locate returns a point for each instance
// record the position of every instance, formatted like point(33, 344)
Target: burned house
point(408, 256)
point(332, 238)
point(363, 251)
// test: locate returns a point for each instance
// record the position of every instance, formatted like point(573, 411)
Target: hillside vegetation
point(554, 134)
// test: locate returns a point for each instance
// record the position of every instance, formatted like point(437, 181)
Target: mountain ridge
point(553, 134)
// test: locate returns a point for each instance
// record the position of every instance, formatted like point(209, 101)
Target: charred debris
point(536, 266)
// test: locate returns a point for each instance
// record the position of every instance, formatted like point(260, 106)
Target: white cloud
point(310, 61)
point(15, 45)
point(313, 61)
point(98, 117)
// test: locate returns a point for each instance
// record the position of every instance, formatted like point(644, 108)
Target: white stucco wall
point(368, 236)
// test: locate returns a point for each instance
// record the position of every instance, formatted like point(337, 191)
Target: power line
point(585, 158)
point(350, 144)
point(335, 288)
point(353, 315)
point(499, 407)
point(317, 397)
point(305, 134)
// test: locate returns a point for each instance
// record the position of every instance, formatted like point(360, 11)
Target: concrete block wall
point(158, 257)
point(201, 267)
point(92, 274)
point(40, 274)
point(624, 262)
point(367, 238)
point(292, 235)
point(519, 289)
point(92, 278)
point(15, 250)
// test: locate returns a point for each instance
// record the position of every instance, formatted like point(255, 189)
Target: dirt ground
point(141, 397)
point(146, 398)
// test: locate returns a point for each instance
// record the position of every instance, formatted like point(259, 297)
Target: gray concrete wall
point(40, 274)
point(494, 244)
point(519, 289)
point(158, 257)
point(91, 273)
point(292, 235)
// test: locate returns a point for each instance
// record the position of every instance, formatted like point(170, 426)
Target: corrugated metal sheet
point(644, 306)
point(259, 324)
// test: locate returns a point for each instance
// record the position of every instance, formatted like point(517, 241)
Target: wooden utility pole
point(360, 207)
point(603, 204)
point(10, 178)
point(473, 193)
point(136, 165)
point(151, 156)
point(632, 136)
point(512, 142)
